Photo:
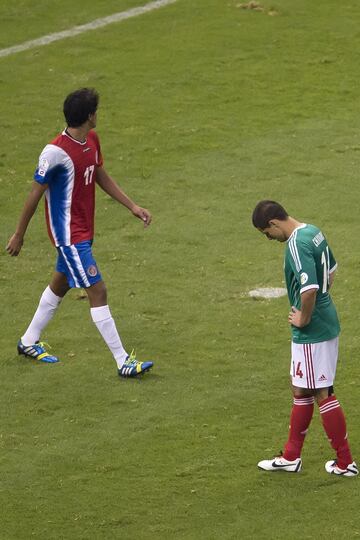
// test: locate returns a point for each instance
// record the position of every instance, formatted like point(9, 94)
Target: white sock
point(106, 326)
point(44, 313)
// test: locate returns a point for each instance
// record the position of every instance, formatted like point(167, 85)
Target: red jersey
point(69, 168)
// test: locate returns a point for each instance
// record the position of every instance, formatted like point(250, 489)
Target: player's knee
point(299, 393)
point(323, 393)
point(97, 294)
point(59, 285)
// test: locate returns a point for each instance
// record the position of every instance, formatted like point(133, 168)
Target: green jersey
point(308, 265)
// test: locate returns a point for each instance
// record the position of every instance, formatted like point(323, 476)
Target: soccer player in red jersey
point(68, 169)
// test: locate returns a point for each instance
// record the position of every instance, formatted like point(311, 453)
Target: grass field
point(206, 108)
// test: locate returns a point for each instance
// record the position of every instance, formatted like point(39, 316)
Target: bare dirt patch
point(256, 6)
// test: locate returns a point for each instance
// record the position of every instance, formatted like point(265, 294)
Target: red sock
point(300, 419)
point(334, 423)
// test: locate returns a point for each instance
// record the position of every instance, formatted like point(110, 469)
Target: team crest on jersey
point(303, 278)
point(92, 270)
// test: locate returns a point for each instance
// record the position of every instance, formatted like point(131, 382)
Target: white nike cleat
point(280, 464)
point(332, 468)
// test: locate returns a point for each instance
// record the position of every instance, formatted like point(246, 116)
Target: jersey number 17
point(88, 174)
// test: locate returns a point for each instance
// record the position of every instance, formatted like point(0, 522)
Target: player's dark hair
point(265, 211)
point(79, 105)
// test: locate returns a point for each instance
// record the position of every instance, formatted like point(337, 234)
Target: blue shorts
point(78, 265)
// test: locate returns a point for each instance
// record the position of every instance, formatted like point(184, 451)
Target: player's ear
point(275, 223)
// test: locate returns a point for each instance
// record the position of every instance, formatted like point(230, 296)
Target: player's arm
point(331, 278)
point(111, 188)
point(332, 267)
point(16, 241)
point(301, 317)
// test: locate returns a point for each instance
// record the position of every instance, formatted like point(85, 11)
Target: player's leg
point(303, 401)
point(334, 423)
point(30, 344)
point(127, 365)
point(59, 284)
point(300, 417)
point(332, 415)
point(103, 320)
point(84, 273)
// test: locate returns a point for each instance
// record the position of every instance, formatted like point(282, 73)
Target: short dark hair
point(265, 211)
point(79, 104)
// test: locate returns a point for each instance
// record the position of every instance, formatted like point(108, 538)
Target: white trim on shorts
point(78, 266)
point(313, 365)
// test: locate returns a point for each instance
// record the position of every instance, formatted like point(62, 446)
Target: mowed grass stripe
point(94, 25)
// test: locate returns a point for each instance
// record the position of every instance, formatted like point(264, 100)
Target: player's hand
point(14, 245)
point(142, 214)
point(295, 318)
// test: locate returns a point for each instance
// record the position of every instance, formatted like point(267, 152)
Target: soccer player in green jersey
point(309, 273)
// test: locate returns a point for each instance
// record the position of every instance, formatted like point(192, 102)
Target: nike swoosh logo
point(86, 150)
point(279, 466)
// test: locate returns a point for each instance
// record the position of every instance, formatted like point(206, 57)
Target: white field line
point(94, 25)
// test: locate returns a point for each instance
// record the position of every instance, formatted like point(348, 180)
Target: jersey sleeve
point(99, 156)
point(303, 265)
point(332, 261)
point(100, 159)
point(48, 160)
